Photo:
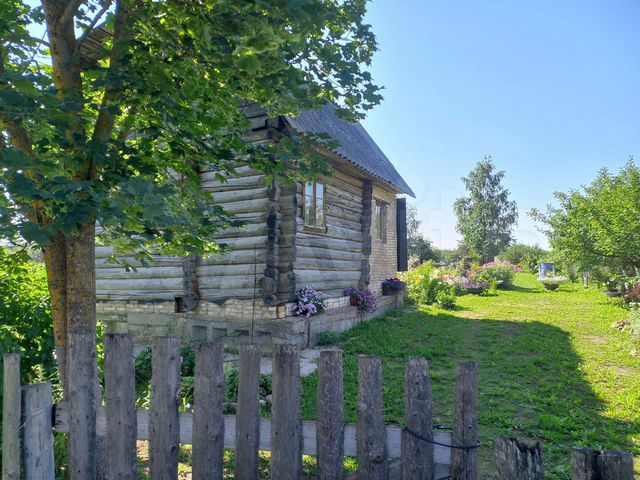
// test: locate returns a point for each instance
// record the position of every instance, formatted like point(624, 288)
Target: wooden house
point(346, 230)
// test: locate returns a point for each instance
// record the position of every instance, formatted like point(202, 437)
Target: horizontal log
point(134, 295)
point(208, 175)
point(334, 210)
point(303, 251)
point(334, 191)
point(230, 281)
point(247, 206)
point(238, 195)
point(258, 242)
point(307, 263)
point(234, 183)
point(316, 276)
point(322, 241)
point(237, 257)
point(173, 284)
point(332, 220)
point(139, 273)
point(346, 186)
point(226, 270)
point(442, 455)
point(158, 261)
point(247, 230)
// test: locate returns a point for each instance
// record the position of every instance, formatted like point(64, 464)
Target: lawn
point(551, 367)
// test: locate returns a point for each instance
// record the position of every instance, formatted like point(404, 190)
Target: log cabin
point(347, 229)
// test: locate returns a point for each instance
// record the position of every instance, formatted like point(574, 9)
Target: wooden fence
point(415, 451)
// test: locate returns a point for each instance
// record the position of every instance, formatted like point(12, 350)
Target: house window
point(314, 205)
point(381, 221)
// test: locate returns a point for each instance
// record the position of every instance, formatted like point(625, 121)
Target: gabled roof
point(354, 144)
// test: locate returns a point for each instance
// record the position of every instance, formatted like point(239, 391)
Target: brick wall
point(383, 259)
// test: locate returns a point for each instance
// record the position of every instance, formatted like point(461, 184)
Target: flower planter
point(613, 293)
point(386, 291)
point(353, 301)
point(551, 286)
point(475, 291)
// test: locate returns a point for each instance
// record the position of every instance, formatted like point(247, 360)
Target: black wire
point(428, 440)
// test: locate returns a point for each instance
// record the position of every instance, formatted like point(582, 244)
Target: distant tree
point(486, 217)
point(448, 256)
point(598, 225)
point(419, 247)
point(528, 257)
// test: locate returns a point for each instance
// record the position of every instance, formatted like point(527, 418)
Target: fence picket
point(11, 413)
point(464, 461)
point(286, 429)
point(122, 425)
point(82, 390)
point(372, 451)
point(208, 419)
point(590, 464)
point(330, 415)
point(417, 454)
point(516, 460)
point(164, 434)
point(248, 420)
point(38, 432)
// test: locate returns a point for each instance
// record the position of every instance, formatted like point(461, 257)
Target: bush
point(527, 256)
point(502, 273)
point(26, 325)
point(428, 285)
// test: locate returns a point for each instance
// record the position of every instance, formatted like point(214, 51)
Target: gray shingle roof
point(354, 144)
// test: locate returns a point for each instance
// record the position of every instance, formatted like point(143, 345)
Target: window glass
point(314, 205)
point(380, 221)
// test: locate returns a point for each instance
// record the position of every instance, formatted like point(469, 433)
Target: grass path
point(550, 368)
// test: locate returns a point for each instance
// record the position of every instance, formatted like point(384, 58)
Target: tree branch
point(106, 118)
point(93, 24)
point(70, 11)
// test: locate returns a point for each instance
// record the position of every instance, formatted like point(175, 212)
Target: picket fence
point(415, 451)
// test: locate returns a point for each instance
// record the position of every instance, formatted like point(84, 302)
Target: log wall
point(330, 259)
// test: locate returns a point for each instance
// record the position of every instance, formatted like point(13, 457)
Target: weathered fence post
point(81, 378)
point(208, 420)
point(516, 460)
point(286, 427)
point(248, 414)
point(417, 454)
point(590, 464)
point(372, 450)
point(464, 461)
point(38, 432)
point(11, 417)
point(120, 386)
point(330, 416)
point(164, 431)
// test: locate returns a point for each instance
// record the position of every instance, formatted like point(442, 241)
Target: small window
point(314, 205)
point(381, 221)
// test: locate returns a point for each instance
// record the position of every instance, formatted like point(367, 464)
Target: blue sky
point(550, 89)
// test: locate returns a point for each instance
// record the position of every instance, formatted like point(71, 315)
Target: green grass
point(550, 366)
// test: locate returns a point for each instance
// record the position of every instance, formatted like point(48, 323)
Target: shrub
point(502, 272)
point(26, 325)
point(633, 295)
point(426, 282)
point(309, 302)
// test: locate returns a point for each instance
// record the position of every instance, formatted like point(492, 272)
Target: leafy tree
point(418, 246)
point(528, 257)
point(109, 120)
point(598, 224)
point(487, 216)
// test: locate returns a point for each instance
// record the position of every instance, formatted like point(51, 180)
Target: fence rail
point(415, 451)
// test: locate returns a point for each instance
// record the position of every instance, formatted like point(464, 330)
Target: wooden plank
point(464, 461)
point(164, 427)
point(82, 402)
point(372, 452)
point(37, 402)
point(417, 454)
point(173, 284)
point(11, 416)
point(516, 460)
point(208, 429)
point(286, 423)
point(591, 464)
point(248, 420)
point(330, 415)
point(442, 455)
point(103, 273)
point(120, 389)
